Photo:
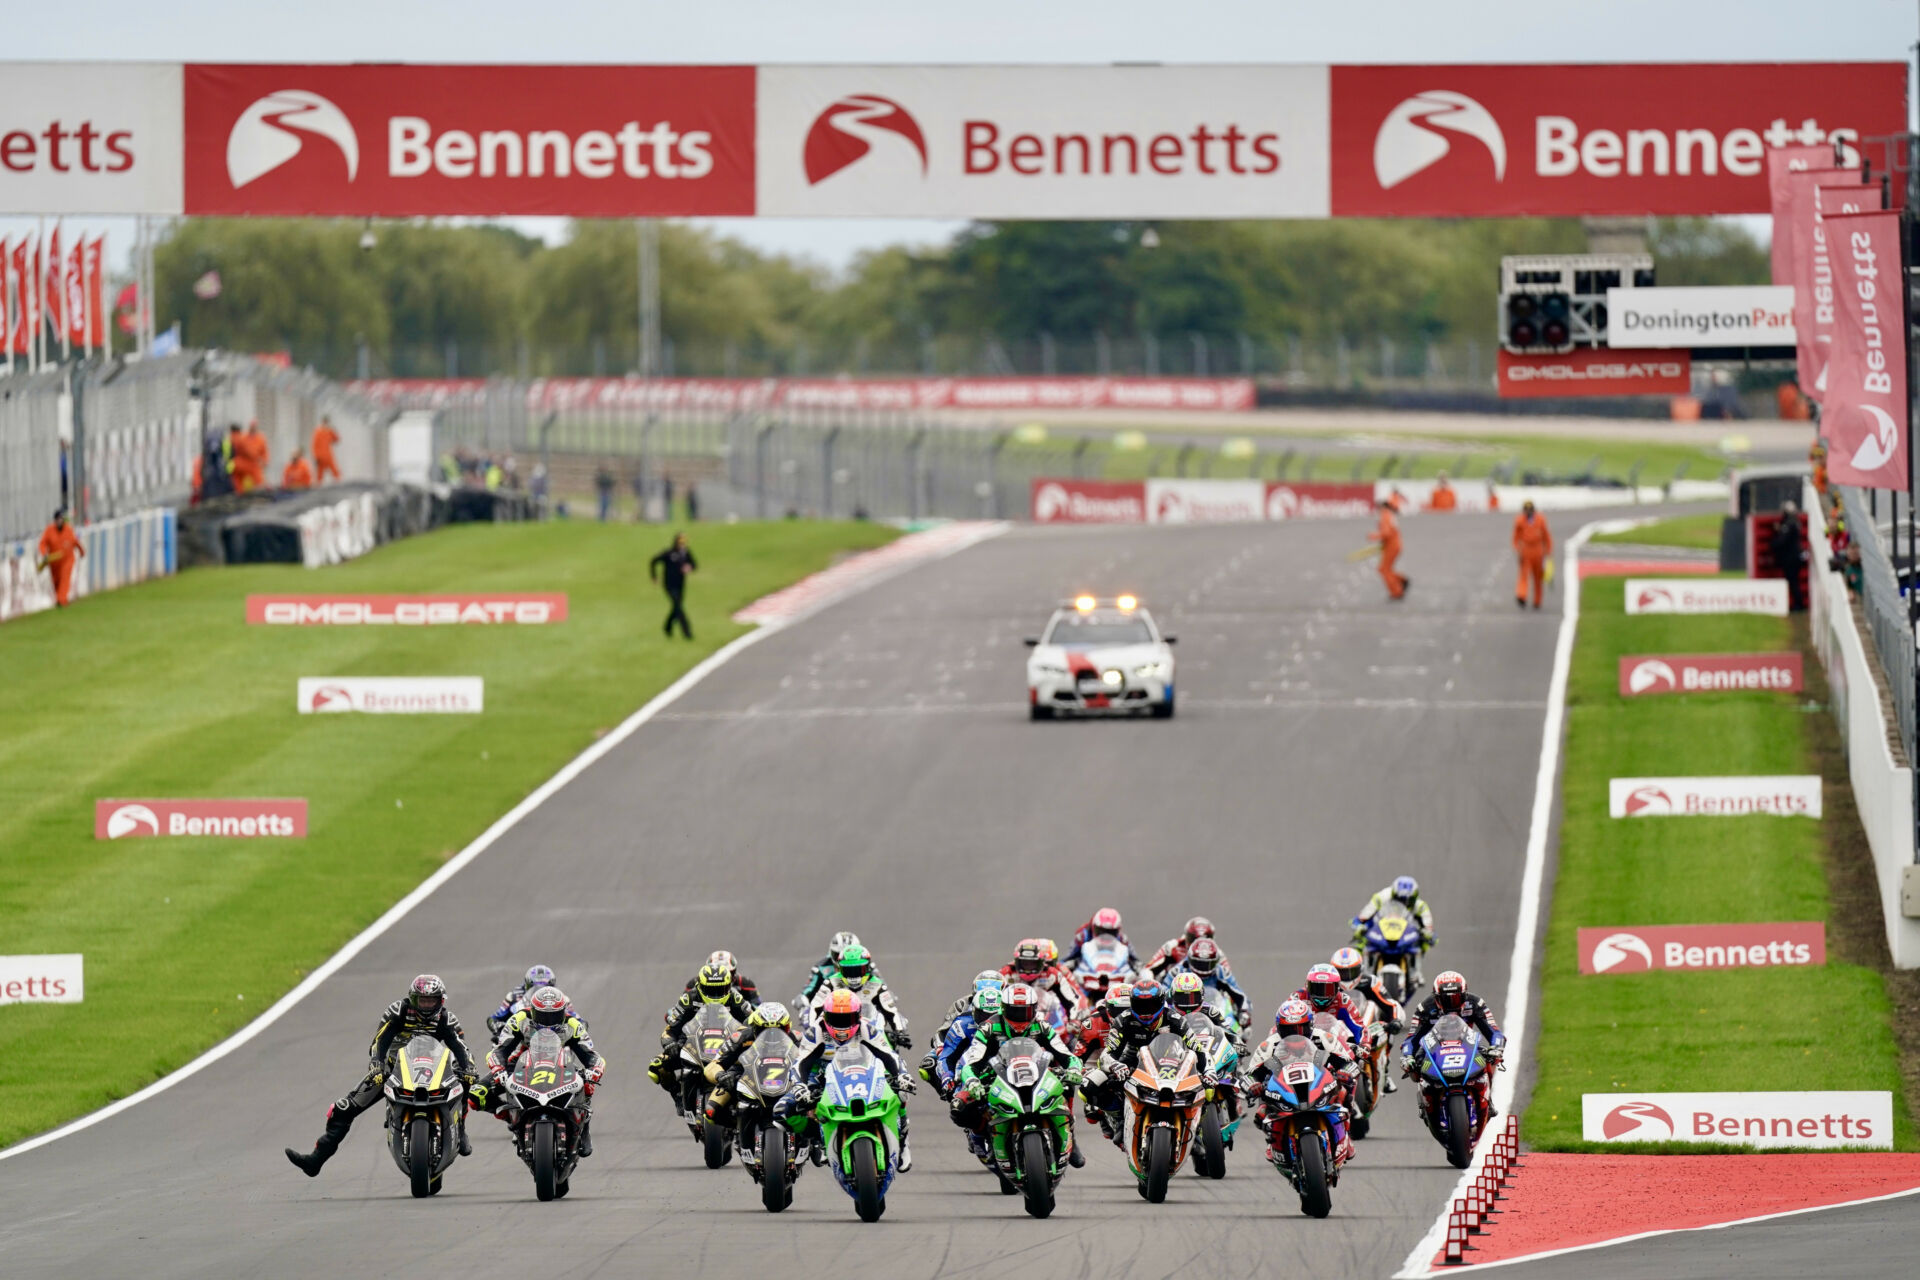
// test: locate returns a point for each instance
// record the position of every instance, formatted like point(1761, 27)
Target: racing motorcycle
point(426, 1104)
point(1331, 1035)
point(1165, 1093)
point(705, 1038)
point(768, 1151)
point(1027, 1119)
point(1455, 1078)
point(1299, 1107)
point(546, 1107)
point(1103, 961)
point(859, 1116)
point(1219, 1059)
point(1393, 945)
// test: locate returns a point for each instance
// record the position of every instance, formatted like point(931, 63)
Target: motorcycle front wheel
point(1362, 1122)
point(420, 1156)
point(546, 1182)
point(1210, 1159)
point(1159, 1164)
point(1459, 1133)
point(867, 1200)
point(1316, 1200)
point(1036, 1171)
point(774, 1192)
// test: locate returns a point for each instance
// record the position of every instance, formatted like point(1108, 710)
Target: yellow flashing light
point(1084, 604)
point(1127, 603)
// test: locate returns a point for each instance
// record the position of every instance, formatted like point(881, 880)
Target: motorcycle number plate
point(1299, 1073)
point(1453, 1061)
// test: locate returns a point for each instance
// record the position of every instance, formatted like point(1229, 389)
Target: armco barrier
point(1060, 500)
point(1882, 786)
point(119, 552)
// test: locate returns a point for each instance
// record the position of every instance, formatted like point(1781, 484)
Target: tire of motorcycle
point(1036, 1170)
point(1459, 1133)
point(546, 1174)
point(1316, 1201)
point(714, 1139)
point(774, 1193)
point(1159, 1164)
point(420, 1156)
point(1210, 1157)
point(1362, 1121)
point(867, 1200)
point(1391, 981)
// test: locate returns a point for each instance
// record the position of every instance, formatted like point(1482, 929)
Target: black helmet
point(427, 995)
point(1203, 957)
point(1149, 1000)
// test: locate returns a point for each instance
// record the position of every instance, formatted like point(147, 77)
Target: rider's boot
point(310, 1162)
point(906, 1151)
point(586, 1139)
point(466, 1148)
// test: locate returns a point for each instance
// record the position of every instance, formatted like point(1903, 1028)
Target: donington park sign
point(1294, 141)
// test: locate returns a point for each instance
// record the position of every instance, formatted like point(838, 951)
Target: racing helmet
point(1018, 1006)
point(1119, 996)
point(1198, 927)
point(1406, 889)
point(547, 1007)
point(1105, 921)
point(840, 1019)
point(986, 1005)
point(988, 978)
point(538, 976)
point(1188, 992)
point(427, 995)
point(1148, 1001)
point(1203, 957)
point(1323, 986)
point(771, 1014)
point(1349, 962)
point(1049, 950)
point(714, 982)
point(725, 958)
point(855, 966)
point(1293, 1018)
point(1450, 991)
point(841, 941)
point(1028, 960)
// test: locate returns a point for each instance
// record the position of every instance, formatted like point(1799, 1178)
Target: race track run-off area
point(871, 767)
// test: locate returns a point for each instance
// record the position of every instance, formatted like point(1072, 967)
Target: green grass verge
point(164, 690)
point(1700, 531)
point(1735, 1029)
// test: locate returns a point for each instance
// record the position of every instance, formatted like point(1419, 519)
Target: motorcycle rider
point(1406, 891)
point(712, 985)
point(855, 973)
point(1295, 1018)
point(1104, 923)
point(1018, 1017)
point(1031, 966)
point(823, 972)
point(549, 1007)
point(1204, 960)
point(748, 987)
point(1323, 993)
point(422, 1011)
point(1363, 987)
point(840, 1029)
point(961, 1008)
point(1450, 995)
point(1146, 1016)
point(1088, 1035)
point(948, 1053)
point(723, 1073)
point(1173, 952)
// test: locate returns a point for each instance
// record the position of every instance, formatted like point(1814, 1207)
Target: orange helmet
point(840, 1019)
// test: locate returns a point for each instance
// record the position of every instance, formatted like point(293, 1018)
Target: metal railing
point(1885, 609)
point(32, 467)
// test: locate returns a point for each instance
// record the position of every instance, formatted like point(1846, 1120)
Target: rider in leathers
point(422, 1011)
point(713, 985)
point(960, 1008)
point(840, 1029)
point(1362, 986)
point(1295, 1018)
point(945, 1060)
point(1019, 1017)
point(1450, 995)
point(1148, 1015)
point(549, 1010)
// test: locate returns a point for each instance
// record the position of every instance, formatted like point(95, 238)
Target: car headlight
point(1152, 671)
point(1047, 669)
point(1112, 677)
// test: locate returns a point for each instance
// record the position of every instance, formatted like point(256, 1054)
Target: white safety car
point(1100, 657)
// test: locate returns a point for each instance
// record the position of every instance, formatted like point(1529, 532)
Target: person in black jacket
point(423, 1011)
point(1450, 995)
point(1789, 546)
point(673, 565)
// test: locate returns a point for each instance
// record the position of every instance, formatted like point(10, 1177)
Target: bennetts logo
point(850, 128)
point(1418, 133)
point(272, 131)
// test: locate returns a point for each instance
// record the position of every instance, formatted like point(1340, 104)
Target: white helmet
point(725, 958)
point(841, 941)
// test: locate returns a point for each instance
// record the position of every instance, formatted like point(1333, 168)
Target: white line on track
point(1520, 967)
point(452, 867)
point(1020, 708)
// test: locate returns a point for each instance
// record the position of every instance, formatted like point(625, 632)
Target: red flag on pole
point(1813, 274)
point(74, 283)
point(1865, 414)
point(1780, 162)
point(23, 291)
point(56, 292)
point(31, 275)
point(6, 303)
point(96, 287)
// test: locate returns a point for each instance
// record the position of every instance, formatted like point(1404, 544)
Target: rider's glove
point(598, 1073)
point(711, 1072)
point(901, 1084)
point(1072, 1076)
point(655, 1067)
point(1096, 1077)
point(1407, 1067)
point(902, 1040)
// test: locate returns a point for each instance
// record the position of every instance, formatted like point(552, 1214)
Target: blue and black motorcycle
point(1393, 942)
point(1456, 1079)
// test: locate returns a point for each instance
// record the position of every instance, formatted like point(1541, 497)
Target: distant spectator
point(212, 478)
point(1853, 572)
point(539, 483)
point(1444, 498)
point(63, 464)
point(677, 561)
point(493, 473)
point(60, 550)
point(638, 483)
point(603, 485)
point(298, 474)
point(258, 453)
point(1817, 455)
point(511, 465)
point(449, 469)
point(666, 492)
point(1793, 406)
point(324, 438)
point(234, 457)
point(1789, 545)
point(693, 503)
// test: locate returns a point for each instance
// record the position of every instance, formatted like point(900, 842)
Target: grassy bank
point(1700, 532)
point(164, 690)
point(1735, 1029)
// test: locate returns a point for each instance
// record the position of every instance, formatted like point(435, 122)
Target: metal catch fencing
point(1886, 612)
point(31, 410)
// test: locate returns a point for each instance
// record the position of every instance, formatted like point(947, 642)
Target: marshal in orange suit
point(1388, 536)
point(1532, 541)
point(60, 550)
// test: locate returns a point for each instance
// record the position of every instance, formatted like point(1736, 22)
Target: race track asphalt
point(873, 768)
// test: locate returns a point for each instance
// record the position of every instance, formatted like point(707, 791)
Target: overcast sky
point(1088, 31)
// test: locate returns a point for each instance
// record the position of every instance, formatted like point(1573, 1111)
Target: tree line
point(505, 300)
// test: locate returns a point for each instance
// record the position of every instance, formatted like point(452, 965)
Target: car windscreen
point(1091, 630)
